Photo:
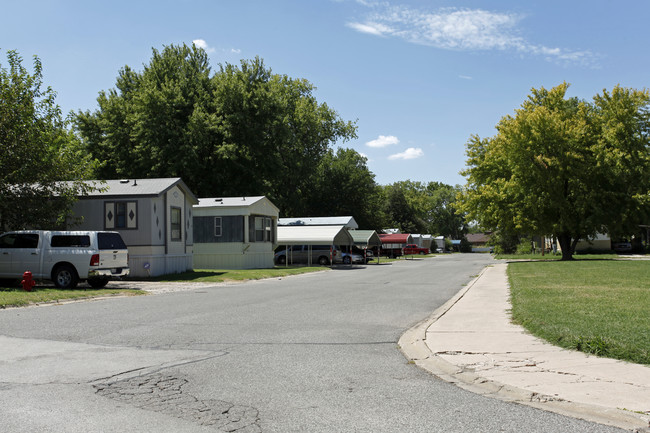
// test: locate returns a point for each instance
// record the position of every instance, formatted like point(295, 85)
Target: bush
point(524, 247)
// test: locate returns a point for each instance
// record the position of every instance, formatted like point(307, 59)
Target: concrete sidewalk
point(471, 342)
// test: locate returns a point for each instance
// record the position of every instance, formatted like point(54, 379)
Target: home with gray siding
point(234, 233)
point(154, 217)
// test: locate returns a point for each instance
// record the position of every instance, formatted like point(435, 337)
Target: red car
point(414, 249)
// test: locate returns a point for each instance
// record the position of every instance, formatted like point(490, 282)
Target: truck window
point(63, 241)
point(26, 240)
point(110, 241)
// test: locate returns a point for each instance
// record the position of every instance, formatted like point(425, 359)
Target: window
point(110, 241)
point(176, 224)
point(267, 229)
point(120, 215)
point(217, 226)
point(69, 241)
point(22, 240)
point(259, 229)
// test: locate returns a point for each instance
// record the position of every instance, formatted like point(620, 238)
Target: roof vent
point(125, 181)
point(218, 199)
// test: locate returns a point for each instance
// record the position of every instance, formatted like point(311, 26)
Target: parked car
point(65, 257)
point(356, 255)
point(622, 247)
point(320, 254)
point(414, 249)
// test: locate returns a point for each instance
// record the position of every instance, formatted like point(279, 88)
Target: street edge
point(413, 346)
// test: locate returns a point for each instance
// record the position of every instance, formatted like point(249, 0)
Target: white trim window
point(176, 223)
point(217, 227)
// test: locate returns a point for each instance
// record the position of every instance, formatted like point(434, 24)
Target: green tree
point(562, 166)
point(434, 204)
point(42, 164)
point(240, 131)
point(343, 185)
point(399, 212)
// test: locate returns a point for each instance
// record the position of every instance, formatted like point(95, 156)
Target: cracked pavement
point(164, 394)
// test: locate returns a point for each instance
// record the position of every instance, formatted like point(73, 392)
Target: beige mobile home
point(235, 233)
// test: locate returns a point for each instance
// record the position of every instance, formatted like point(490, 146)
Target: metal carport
point(314, 235)
point(366, 239)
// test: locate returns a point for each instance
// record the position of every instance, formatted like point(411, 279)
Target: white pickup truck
point(65, 257)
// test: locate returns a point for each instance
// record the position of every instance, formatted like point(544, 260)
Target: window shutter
point(131, 215)
point(109, 215)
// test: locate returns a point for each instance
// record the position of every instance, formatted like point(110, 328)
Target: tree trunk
point(565, 244)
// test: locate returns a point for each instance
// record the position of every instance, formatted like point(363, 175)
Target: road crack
point(164, 394)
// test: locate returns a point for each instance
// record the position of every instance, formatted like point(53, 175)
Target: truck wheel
point(323, 261)
point(98, 283)
point(65, 277)
point(282, 260)
point(347, 260)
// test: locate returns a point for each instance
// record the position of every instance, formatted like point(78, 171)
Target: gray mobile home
point(154, 217)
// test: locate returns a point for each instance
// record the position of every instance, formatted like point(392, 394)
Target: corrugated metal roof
point(396, 238)
point(314, 235)
point(366, 237)
point(347, 221)
point(137, 187)
point(229, 201)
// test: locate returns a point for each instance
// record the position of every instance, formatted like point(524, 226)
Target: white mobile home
point(235, 233)
point(154, 217)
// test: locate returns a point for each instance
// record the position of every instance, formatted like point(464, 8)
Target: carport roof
point(366, 237)
point(397, 238)
point(314, 235)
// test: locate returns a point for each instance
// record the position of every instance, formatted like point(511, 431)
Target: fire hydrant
point(28, 282)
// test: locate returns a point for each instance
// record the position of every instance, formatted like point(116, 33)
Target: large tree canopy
point(432, 207)
point(240, 131)
point(344, 185)
point(38, 152)
point(564, 167)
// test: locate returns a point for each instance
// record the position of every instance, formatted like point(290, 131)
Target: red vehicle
point(414, 249)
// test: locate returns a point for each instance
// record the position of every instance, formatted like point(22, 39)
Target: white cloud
point(383, 141)
point(200, 43)
point(459, 29)
point(371, 28)
point(235, 50)
point(465, 77)
point(410, 153)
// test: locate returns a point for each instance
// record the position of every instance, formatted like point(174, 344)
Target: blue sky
point(419, 77)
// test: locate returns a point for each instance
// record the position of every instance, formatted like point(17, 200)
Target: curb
point(413, 346)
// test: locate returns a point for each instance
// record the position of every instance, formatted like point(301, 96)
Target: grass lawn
point(554, 256)
point(221, 275)
point(17, 297)
point(595, 306)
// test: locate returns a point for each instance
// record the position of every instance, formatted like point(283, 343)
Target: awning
point(366, 238)
point(314, 235)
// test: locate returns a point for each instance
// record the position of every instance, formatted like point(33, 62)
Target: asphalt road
point(310, 353)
